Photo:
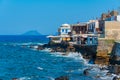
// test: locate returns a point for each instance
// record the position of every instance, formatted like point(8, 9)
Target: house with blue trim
point(77, 34)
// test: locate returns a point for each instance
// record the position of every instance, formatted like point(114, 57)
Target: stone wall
point(102, 57)
point(104, 44)
point(104, 49)
point(112, 29)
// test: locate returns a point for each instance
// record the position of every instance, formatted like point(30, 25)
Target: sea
point(24, 63)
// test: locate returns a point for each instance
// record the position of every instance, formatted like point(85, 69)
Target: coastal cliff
point(101, 54)
point(98, 54)
point(115, 55)
point(106, 53)
point(104, 50)
point(88, 52)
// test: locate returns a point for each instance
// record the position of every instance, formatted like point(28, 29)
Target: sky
point(46, 16)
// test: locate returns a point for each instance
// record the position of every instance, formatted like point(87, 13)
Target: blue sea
point(29, 64)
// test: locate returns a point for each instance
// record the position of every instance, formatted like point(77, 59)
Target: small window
point(66, 30)
point(62, 30)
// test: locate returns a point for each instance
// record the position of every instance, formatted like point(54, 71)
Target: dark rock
point(52, 50)
point(103, 68)
point(115, 54)
point(45, 45)
point(108, 74)
point(115, 78)
point(62, 78)
point(91, 61)
point(14, 78)
point(114, 69)
point(59, 49)
point(40, 47)
point(86, 72)
point(98, 76)
point(70, 49)
point(31, 46)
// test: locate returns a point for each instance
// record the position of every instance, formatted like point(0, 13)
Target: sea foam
point(40, 68)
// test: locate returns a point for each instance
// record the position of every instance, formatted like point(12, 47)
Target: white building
point(64, 29)
point(63, 35)
point(93, 26)
point(118, 18)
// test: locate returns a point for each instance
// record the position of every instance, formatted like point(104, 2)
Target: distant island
point(32, 33)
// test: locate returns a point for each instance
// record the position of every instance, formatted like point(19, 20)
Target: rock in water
point(86, 72)
point(62, 78)
point(115, 78)
point(115, 54)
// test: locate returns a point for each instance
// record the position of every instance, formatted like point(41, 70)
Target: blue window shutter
point(62, 30)
point(88, 40)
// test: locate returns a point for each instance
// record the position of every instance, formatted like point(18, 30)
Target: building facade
point(109, 26)
point(93, 26)
point(111, 30)
point(64, 29)
point(76, 34)
point(63, 34)
point(83, 34)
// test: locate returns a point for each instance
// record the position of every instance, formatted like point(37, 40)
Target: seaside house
point(109, 25)
point(87, 33)
point(77, 34)
point(93, 26)
point(63, 34)
point(83, 34)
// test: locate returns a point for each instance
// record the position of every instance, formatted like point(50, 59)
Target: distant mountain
point(33, 33)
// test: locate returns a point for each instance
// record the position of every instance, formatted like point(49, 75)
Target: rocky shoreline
point(64, 47)
point(90, 53)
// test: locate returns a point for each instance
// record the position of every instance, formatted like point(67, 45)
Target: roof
point(51, 36)
point(80, 24)
point(65, 25)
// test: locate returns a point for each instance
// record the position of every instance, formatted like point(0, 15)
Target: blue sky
point(45, 16)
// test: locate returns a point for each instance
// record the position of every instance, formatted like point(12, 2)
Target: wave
point(40, 68)
point(98, 74)
point(47, 50)
point(74, 55)
point(105, 77)
point(50, 78)
point(24, 78)
point(24, 44)
point(94, 70)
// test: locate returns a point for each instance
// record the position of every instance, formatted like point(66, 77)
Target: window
point(66, 30)
point(62, 30)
